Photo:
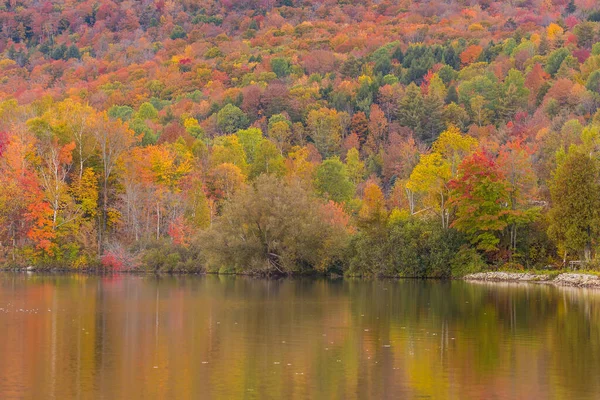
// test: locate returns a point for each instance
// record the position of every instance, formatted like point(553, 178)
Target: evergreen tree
point(72, 52)
point(575, 213)
point(411, 108)
point(451, 58)
point(432, 122)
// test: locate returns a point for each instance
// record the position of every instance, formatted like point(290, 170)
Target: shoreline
point(571, 279)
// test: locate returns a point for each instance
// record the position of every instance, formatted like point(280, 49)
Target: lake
point(215, 337)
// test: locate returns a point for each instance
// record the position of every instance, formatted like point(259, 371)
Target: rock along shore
point(565, 279)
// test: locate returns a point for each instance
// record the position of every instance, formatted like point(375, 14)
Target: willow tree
point(275, 227)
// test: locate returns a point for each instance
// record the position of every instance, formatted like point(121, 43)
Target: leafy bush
point(466, 261)
point(165, 256)
point(409, 247)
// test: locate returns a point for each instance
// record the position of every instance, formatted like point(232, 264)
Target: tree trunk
point(587, 251)
point(443, 212)
point(411, 200)
point(157, 221)
point(513, 241)
point(104, 217)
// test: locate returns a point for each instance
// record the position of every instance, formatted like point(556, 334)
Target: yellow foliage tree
point(435, 170)
point(373, 213)
point(554, 31)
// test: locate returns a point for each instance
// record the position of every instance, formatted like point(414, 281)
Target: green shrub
point(409, 247)
point(466, 261)
point(164, 256)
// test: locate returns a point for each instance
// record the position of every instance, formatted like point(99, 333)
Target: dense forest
point(400, 138)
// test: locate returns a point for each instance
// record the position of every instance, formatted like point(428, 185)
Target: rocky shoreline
point(564, 279)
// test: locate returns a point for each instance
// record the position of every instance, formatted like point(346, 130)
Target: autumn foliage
point(134, 131)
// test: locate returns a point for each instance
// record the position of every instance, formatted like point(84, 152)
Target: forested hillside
point(414, 138)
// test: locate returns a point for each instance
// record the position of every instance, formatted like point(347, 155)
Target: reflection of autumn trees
point(222, 336)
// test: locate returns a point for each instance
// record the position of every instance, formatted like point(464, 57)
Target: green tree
point(480, 113)
point(72, 52)
point(575, 212)
point(146, 111)
point(457, 116)
point(593, 82)
point(354, 166)
point(383, 59)
point(555, 60)
point(409, 246)
point(58, 53)
point(513, 95)
point(178, 32)
point(123, 113)
point(267, 160)
point(332, 181)
point(433, 122)
point(228, 149)
point(411, 108)
point(231, 119)
point(281, 66)
point(250, 139)
point(280, 133)
point(325, 130)
point(418, 60)
point(451, 58)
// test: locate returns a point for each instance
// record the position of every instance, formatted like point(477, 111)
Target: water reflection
point(215, 337)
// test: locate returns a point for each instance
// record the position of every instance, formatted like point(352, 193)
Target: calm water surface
point(143, 337)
